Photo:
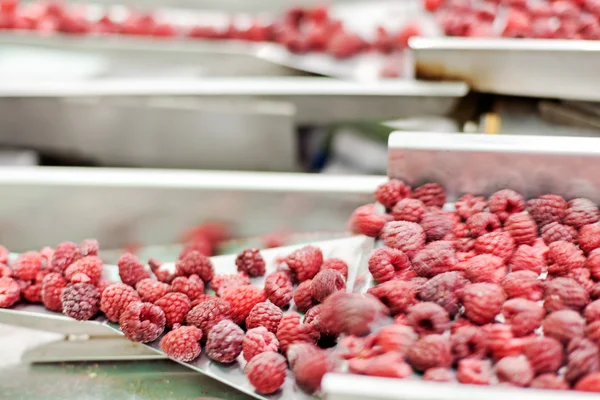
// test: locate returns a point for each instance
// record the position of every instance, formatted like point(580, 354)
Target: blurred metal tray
point(563, 69)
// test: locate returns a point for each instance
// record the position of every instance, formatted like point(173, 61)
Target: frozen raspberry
point(564, 325)
point(554, 232)
point(64, 254)
point(52, 287)
point(589, 237)
point(410, 210)
point(431, 351)
point(191, 286)
point(397, 295)
point(482, 301)
point(593, 263)
point(80, 301)
point(350, 347)
point(522, 228)
point(437, 224)
point(527, 258)
point(257, 341)
point(547, 209)
point(299, 350)
point(91, 266)
point(442, 289)
point(474, 372)
point(305, 263)
point(116, 298)
point(27, 265)
point(5, 270)
point(195, 263)
point(150, 290)
point(582, 359)
point(175, 306)
point(103, 284)
point(324, 284)
point(431, 194)
point(583, 277)
point(434, 259)
point(162, 274)
point(337, 265)
point(564, 257)
point(33, 293)
point(310, 368)
point(387, 365)
point(10, 292)
point(549, 381)
point(592, 332)
point(485, 268)
point(242, 299)
point(524, 316)
point(314, 316)
point(131, 269)
point(352, 313)
point(501, 342)
point(201, 245)
point(220, 282)
point(438, 375)
point(279, 288)
point(544, 353)
point(385, 262)
point(4, 253)
point(266, 315)
point(562, 293)
point(396, 338)
point(506, 202)
point(515, 370)
point(182, 343)
point(391, 192)
point(523, 284)
point(224, 342)
point(89, 247)
point(592, 312)
point(581, 212)
point(364, 221)
point(408, 237)
point(303, 296)
point(469, 205)
point(481, 223)
point(142, 322)
point(267, 372)
point(468, 342)
point(499, 244)
point(589, 383)
point(250, 262)
point(428, 318)
point(208, 314)
point(291, 331)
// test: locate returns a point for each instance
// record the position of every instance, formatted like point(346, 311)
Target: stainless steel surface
point(525, 67)
point(485, 163)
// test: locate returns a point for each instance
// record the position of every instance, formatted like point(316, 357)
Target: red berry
point(582, 359)
point(10, 292)
point(192, 287)
point(385, 262)
point(64, 255)
point(437, 224)
point(435, 258)
point(220, 282)
point(408, 237)
point(52, 287)
point(195, 263)
point(522, 228)
point(224, 342)
point(481, 223)
point(325, 283)
point(547, 208)
point(182, 343)
point(345, 44)
point(428, 318)
point(523, 284)
point(549, 381)
point(515, 370)
point(142, 322)
point(387, 365)
point(482, 301)
point(150, 290)
point(90, 266)
point(310, 368)
point(592, 312)
point(175, 306)
point(411, 210)
point(303, 296)
point(4, 253)
point(564, 257)
point(257, 341)
point(563, 325)
point(469, 205)
point(265, 315)
point(485, 268)
point(562, 293)
point(443, 289)
point(27, 265)
point(554, 232)
point(5, 270)
point(589, 383)
point(524, 316)
point(291, 331)
point(544, 353)
point(527, 258)
point(305, 263)
point(391, 192)
point(242, 299)
point(131, 270)
point(251, 262)
point(468, 342)
point(337, 265)
point(500, 244)
point(163, 275)
point(33, 293)
point(396, 338)
point(80, 301)
point(431, 194)
point(474, 372)
point(589, 237)
point(116, 298)
point(432, 351)
point(438, 375)
point(266, 372)
point(279, 288)
point(364, 221)
point(506, 202)
point(397, 295)
point(89, 247)
point(352, 313)
point(208, 313)
point(581, 212)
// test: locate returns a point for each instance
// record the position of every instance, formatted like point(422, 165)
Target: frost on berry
point(523, 284)
point(589, 383)
point(192, 287)
point(65, 254)
point(195, 263)
point(267, 372)
point(175, 306)
point(162, 274)
point(33, 293)
point(443, 290)
point(396, 338)
point(325, 283)
point(305, 262)
point(242, 299)
point(27, 265)
point(224, 342)
point(437, 224)
point(432, 351)
point(483, 222)
point(469, 205)
point(562, 293)
point(387, 365)
point(544, 353)
point(431, 194)
point(279, 288)
point(220, 282)
point(352, 313)
point(589, 237)
point(89, 247)
point(410, 210)
point(482, 301)
point(468, 342)
point(142, 322)
point(428, 318)
point(522, 228)
point(310, 368)
point(549, 381)
point(115, 298)
point(258, 340)
point(564, 257)
point(397, 295)
point(385, 262)
point(515, 370)
point(405, 236)
point(592, 312)
point(485, 268)
point(264, 314)
point(563, 325)
point(527, 258)
point(499, 244)
point(151, 290)
point(251, 262)
point(291, 331)
point(582, 359)
point(10, 292)
point(555, 231)
point(439, 375)
point(434, 259)
point(524, 316)
point(303, 296)
point(581, 212)
point(208, 314)
point(391, 192)
point(501, 342)
point(131, 269)
point(506, 202)
point(182, 343)
point(547, 208)
point(364, 221)
point(337, 265)
point(52, 287)
point(474, 372)
point(90, 266)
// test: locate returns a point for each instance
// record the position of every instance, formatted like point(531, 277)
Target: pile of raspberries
point(493, 290)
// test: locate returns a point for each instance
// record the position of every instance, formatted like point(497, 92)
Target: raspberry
point(10, 292)
point(592, 331)
point(582, 359)
point(581, 212)
point(385, 262)
point(258, 340)
point(500, 244)
point(485, 268)
point(337, 265)
point(563, 325)
point(593, 263)
point(438, 375)
point(527, 258)
point(310, 368)
point(33, 293)
point(64, 254)
point(474, 372)
point(564, 257)
point(501, 342)
point(442, 289)
point(182, 343)
point(150, 290)
point(52, 286)
point(224, 342)
point(589, 383)
point(162, 275)
point(437, 224)
point(267, 372)
point(314, 318)
point(324, 284)
point(142, 322)
point(522, 228)
point(175, 306)
point(431, 194)
point(103, 284)
point(428, 318)
point(524, 316)
point(251, 262)
point(4, 253)
point(481, 223)
point(131, 270)
point(195, 263)
point(352, 313)
point(299, 350)
point(388, 365)
point(544, 353)
point(432, 351)
point(80, 301)
point(549, 381)
point(506, 202)
point(523, 284)
point(291, 331)
point(405, 236)
point(397, 295)
point(266, 315)
point(5, 270)
point(434, 259)
point(468, 342)
point(592, 312)
point(116, 298)
point(589, 237)
point(191, 286)
point(242, 299)
point(305, 263)
point(91, 266)
point(89, 247)
point(469, 205)
point(410, 210)
point(554, 232)
point(364, 221)
point(547, 208)
point(303, 296)
point(279, 288)
point(582, 277)
point(461, 232)
point(482, 301)
point(27, 265)
point(396, 338)
point(208, 314)
point(391, 192)
point(515, 370)
point(561, 293)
